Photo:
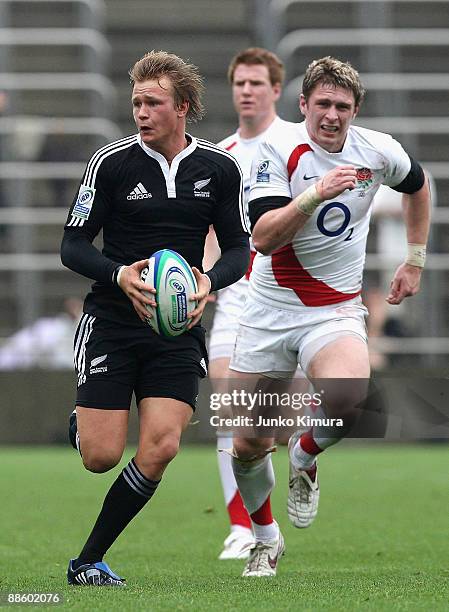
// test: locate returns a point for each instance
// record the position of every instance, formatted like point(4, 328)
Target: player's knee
point(346, 405)
point(160, 452)
point(100, 462)
point(247, 448)
point(168, 448)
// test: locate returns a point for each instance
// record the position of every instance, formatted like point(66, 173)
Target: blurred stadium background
point(64, 92)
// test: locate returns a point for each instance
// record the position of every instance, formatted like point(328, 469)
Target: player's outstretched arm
point(407, 278)
point(277, 227)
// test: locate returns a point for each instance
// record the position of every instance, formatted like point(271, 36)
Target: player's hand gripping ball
point(173, 279)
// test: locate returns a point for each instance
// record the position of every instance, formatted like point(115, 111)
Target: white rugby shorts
point(277, 340)
point(229, 307)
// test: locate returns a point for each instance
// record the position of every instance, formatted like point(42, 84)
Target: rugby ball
point(172, 277)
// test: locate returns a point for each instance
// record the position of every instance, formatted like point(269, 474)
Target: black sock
point(126, 497)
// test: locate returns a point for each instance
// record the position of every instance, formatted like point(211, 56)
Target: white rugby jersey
point(245, 150)
point(324, 262)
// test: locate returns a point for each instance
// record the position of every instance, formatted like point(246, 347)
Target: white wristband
point(119, 273)
point(210, 282)
point(416, 255)
point(308, 201)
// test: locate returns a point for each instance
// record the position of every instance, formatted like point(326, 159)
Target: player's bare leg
point(102, 437)
point(161, 423)
point(344, 358)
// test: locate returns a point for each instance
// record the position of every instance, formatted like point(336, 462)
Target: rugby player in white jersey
point(256, 77)
point(312, 186)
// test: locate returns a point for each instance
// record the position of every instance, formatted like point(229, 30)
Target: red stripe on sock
point(238, 514)
point(308, 444)
point(263, 516)
point(314, 406)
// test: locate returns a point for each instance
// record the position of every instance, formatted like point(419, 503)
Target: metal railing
point(98, 126)
point(407, 84)
point(389, 81)
point(276, 12)
point(55, 36)
point(41, 170)
point(406, 125)
point(50, 215)
point(91, 13)
point(353, 37)
point(94, 45)
point(69, 81)
point(96, 96)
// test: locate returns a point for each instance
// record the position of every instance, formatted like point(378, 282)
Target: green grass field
point(380, 541)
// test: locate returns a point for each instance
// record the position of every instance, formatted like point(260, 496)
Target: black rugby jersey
point(142, 205)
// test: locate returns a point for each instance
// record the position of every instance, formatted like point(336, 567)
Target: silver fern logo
point(94, 369)
point(98, 360)
point(198, 187)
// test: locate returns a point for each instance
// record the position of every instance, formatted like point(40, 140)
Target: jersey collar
point(170, 171)
point(161, 159)
point(260, 136)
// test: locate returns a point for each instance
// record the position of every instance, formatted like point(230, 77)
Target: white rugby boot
point(264, 557)
point(303, 492)
point(237, 545)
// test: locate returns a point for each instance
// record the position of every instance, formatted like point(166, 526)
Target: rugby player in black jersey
point(160, 188)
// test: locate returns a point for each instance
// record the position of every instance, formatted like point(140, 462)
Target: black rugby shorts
point(113, 362)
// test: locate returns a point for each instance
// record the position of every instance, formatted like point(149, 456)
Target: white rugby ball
point(172, 277)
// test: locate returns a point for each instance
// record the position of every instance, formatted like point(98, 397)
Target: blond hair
point(185, 78)
point(258, 56)
point(331, 71)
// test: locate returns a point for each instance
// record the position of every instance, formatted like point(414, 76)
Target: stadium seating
point(58, 103)
point(208, 32)
point(400, 47)
point(69, 59)
point(57, 58)
point(288, 15)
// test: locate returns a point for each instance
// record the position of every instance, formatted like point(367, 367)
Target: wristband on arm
point(308, 201)
point(416, 255)
point(117, 274)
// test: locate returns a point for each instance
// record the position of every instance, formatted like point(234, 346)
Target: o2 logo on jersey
point(339, 230)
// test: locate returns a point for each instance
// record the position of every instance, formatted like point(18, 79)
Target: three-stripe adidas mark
point(139, 193)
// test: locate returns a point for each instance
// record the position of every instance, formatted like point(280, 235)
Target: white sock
point(266, 533)
point(240, 529)
point(300, 459)
point(227, 477)
point(317, 439)
point(255, 480)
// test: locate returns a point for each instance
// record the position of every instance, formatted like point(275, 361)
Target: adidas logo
point(139, 193)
